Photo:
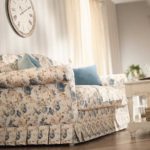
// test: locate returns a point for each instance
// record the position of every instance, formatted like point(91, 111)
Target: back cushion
point(43, 60)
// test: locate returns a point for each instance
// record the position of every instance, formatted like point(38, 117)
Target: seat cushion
point(90, 97)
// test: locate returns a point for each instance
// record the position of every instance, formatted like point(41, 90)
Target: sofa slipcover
point(43, 105)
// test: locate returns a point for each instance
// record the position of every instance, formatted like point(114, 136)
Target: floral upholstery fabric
point(114, 80)
point(90, 97)
point(32, 107)
point(8, 67)
point(43, 106)
point(94, 123)
point(101, 110)
point(34, 76)
point(11, 59)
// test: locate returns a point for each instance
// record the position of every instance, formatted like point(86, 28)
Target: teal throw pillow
point(27, 62)
point(86, 76)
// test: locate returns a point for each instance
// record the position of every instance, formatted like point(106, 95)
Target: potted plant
point(134, 72)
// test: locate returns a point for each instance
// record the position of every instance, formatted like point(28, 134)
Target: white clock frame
point(18, 31)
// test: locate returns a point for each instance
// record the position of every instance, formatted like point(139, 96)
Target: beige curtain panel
point(93, 35)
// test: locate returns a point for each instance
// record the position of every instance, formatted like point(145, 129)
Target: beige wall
point(49, 37)
point(134, 33)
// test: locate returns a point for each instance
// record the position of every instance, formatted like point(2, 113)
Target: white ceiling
point(126, 1)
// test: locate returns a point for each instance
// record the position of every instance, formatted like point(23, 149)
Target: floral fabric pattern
point(91, 97)
point(101, 110)
point(94, 123)
point(43, 106)
point(34, 76)
point(114, 80)
point(12, 59)
point(8, 67)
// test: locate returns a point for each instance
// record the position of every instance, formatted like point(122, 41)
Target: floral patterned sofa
point(43, 106)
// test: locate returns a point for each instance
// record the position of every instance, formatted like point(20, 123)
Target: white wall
point(49, 37)
point(134, 33)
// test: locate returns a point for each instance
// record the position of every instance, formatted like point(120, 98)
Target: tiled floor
point(118, 141)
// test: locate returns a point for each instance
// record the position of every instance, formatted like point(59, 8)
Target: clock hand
point(25, 10)
point(20, 8)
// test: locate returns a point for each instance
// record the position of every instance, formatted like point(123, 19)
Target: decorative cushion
point(87, 76)
point(28, 61)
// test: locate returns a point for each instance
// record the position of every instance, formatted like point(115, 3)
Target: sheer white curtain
point(111, 35)
point(74, 31)
point(79, 31)
point(92, 32)
point(105, 36)
point(101, 53)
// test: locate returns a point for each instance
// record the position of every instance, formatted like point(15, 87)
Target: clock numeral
point(15, 17)
point(18, 24)
point(30, 22)
point(13, 9)
point(20, 8)
point(31, 15)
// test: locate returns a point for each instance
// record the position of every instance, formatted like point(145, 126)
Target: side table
point(137, 88)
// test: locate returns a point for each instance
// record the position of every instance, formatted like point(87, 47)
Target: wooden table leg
point(131, 129)
point(130, 107)
point(148, 100)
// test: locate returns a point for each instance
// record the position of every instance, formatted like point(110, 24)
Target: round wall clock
point(22, 16)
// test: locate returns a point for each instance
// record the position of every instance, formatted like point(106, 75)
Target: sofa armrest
point(115, 80)
point(35, 76)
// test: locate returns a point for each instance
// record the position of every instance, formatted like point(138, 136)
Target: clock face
point(22, 16)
